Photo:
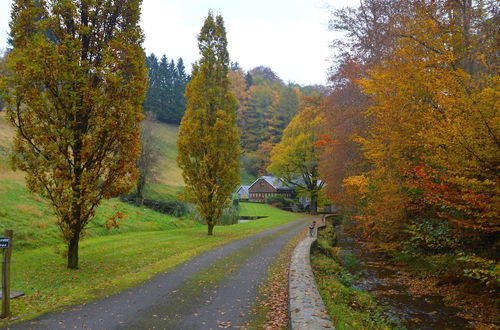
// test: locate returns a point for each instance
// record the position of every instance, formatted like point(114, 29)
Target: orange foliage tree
point(435, 118)
point(425, 120)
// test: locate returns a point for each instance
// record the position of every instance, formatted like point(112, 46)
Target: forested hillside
point(266, 106)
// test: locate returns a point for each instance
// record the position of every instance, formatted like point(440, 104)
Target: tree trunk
point(73, 251)
point(210, 229)
point(314, 203)
point(140, 189)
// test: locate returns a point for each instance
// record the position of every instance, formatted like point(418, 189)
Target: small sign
point(4, 242)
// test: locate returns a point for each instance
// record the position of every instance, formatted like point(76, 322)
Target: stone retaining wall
point(306, 308)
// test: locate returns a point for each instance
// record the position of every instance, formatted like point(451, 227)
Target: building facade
point(267, 186)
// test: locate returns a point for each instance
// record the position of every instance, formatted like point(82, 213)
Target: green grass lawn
point(111, 263)
point(258, 209)
point(34, 223)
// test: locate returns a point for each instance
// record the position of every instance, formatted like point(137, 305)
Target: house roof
point(243, 189)
point(277, 183)
point(301, 181)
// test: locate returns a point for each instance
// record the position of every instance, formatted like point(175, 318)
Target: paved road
point(215, 289)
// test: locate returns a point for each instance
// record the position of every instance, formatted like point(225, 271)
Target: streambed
point(375, 274)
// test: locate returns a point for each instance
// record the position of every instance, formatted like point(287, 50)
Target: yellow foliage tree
point(75, 89)
point(208, 139)
point(295, 158)
point(434, 139)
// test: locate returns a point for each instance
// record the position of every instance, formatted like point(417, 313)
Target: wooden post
point(7, 253)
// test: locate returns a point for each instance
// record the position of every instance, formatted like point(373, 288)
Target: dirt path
point(214, 290)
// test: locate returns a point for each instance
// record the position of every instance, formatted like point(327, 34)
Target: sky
point(289, 36)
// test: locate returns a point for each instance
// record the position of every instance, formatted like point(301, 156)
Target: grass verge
point(34, 223)
point(348, 307)
point(110, 264)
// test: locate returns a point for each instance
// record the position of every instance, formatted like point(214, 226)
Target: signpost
point(6, 247)
point(4, 242)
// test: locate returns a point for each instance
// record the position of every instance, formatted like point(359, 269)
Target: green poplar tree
point(208, 140)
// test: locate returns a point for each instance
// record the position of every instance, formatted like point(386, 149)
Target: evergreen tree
point(152, 103)
point(248, 80)
point(180, 82)
point(288, 106)
point(208, 140)
point(166, 78)
point(167, 84)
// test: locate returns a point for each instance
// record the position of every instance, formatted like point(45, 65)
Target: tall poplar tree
point(208, 140)
point(77, 82)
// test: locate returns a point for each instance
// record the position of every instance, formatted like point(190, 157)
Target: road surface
point(215, 290)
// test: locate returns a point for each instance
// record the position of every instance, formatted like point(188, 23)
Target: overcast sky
point(290, 36)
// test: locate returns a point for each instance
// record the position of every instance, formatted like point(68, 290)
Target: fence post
point(7, 253)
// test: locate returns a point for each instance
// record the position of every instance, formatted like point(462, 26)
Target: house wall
point(261, 189)
point(242, 194)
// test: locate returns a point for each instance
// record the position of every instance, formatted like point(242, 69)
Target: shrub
point(431, 236)
point(175, 208)
point(281, 202)
point(229, 215)
point(484, 270)
point(278, 200)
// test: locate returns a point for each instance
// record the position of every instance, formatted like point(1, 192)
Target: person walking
point(311, 228)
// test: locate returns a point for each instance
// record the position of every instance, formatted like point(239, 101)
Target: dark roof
point(277, 183)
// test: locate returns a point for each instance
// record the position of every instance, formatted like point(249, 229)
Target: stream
point(373, 272)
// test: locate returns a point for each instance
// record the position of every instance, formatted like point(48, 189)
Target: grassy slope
point(246, 178)
point(32, 219)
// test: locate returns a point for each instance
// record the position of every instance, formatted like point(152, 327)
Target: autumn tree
point(435, 115)
point(295, 158)
point(208, 139)
point(2, 73)
point(74, 94)
point(149, 157)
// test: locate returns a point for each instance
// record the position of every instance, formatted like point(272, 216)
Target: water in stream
point(374, 273)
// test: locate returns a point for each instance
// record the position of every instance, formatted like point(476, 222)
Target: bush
point(175, 208)
point(484, 270)
point(280, 201)
point(431, 236)
point(276, 200)
point(236, 203)
point(229, 216)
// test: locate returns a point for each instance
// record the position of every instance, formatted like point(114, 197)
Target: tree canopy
point(74, 92)
point(413, 117)
point(208, 139)
point(295, 158)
